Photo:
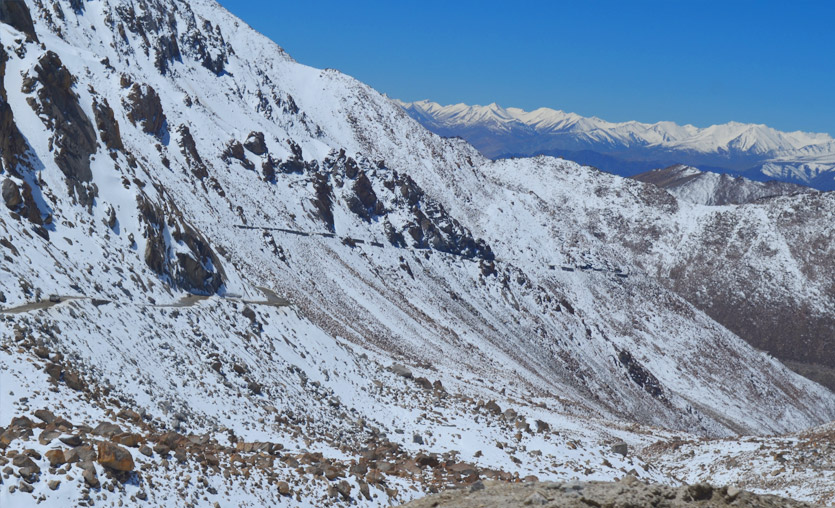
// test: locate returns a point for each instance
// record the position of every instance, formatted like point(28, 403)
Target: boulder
point(129, 414)
point(188, 147)
point(11, 194)
point(106, 429)
point(620, 448)
point(74, 381)
point(25, 462)
point(127, 439)
point(70, 440)
point(115, 457)
point(493, 408)
point(84, 453)
point(255, 143)
point(401, 370)
point(89, 473)
point(13, 145)
point(424, 383)
point(55, 457)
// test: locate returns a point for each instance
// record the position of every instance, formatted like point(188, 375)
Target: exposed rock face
point(197, 270)
point(189, 151)
point(324, 199)
point(12, 144)
point(16, 14)
point(724, 277)
point(255, 143)
point(235, 150)
point(11, 194)
point(295, 163)
point(107, 125)
point(207, 46)
point(364, 201)
point(629, 492)
point(77, 5)
point(145, 109)
point(640, 375)
point(75, 137)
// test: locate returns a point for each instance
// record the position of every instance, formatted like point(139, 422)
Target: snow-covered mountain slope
point(382, 312)
point(707, 188)
point(628, 148)
point(753, 268)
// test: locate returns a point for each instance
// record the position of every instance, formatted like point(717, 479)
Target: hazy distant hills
point(756, 151)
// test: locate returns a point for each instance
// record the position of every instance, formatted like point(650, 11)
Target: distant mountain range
point(230, 279)
point(755, 151)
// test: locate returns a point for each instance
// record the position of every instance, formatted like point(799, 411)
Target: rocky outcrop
point(295, 163)
point(16, 14)
point(363, 201)
point(207, 46)
point(107, 125)
point(167, 51)
point(255, 143)
point(194, 267)
point(11, 194)
point(12, 144)
point(640, 375)
point(189, 150)
point(20, 199)
point(235, 150)
point(75, 138)
point(145, 109)
point(628, 492)
point(323, 202)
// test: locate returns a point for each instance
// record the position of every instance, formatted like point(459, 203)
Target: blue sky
point(698, 62)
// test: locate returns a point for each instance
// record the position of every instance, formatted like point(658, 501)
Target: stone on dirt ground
point(629, 492)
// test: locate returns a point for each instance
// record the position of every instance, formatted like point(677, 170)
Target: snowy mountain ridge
point(755, 150)
point(704, 187)
point(229, 277)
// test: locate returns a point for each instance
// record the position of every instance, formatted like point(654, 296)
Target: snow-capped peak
point(628, 148)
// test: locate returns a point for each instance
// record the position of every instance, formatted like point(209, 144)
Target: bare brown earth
point(627, 493)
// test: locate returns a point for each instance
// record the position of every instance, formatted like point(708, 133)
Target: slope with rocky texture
point(784, 465)
point(628, 492)
point(703, 187)
point(763, 270)
point(628, 148)
point(369, 325)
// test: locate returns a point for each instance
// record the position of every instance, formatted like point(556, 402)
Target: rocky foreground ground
point(627, 493)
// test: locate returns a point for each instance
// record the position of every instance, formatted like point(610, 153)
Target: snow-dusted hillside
point(381, 312)
point(627, 148)
point(706, 188)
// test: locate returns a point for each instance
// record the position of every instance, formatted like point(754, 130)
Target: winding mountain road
point(188, 300)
